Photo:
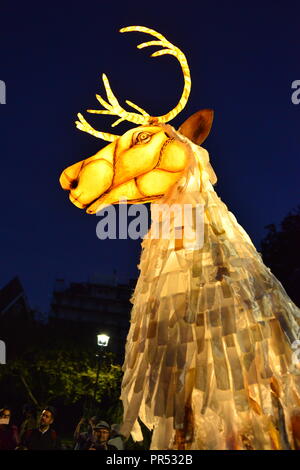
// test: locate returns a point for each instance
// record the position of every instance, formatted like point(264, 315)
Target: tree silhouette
point(280, 252)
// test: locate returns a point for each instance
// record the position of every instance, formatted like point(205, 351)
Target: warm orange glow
point(127, 169)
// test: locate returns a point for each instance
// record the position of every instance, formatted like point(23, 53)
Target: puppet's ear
point(197, 127)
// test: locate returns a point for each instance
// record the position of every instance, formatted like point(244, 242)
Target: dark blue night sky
point(243, 58)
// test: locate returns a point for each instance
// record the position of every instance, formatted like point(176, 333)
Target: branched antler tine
point(151, 43)
point(143, 29)
point(110, 96)
point(163, 52)
point(84, 126)
point(99, 111)
point(103, 102)
point(114, 124)
point(172, 50)
point(175, 53)
point(114, 107)
point(138, 108)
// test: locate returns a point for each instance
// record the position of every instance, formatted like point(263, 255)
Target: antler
point(113, 107)
point(172, 50)
point(84, 126)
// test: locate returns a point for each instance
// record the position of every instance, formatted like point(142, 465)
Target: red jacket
point(9, 437)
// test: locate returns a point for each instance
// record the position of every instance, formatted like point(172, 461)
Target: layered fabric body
point(209, 358)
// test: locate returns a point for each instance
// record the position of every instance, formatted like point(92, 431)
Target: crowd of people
point(37, 432)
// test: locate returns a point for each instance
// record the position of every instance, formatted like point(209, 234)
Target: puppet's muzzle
point(88, 179)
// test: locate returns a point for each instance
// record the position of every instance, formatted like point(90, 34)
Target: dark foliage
point(281, 253)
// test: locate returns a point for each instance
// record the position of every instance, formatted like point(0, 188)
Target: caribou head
point(143, 163)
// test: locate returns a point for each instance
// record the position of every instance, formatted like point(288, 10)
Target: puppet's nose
point(74, 184)
point(69, 177)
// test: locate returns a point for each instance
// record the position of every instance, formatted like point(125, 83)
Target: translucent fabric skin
point(208, 356)
point(208, 361)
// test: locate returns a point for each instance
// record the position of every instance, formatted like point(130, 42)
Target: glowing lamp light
point(102, 340)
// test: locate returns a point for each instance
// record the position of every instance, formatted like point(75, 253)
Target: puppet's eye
point(141, 138)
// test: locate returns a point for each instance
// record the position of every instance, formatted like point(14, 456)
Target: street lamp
point(102, 342)
point(102, 339)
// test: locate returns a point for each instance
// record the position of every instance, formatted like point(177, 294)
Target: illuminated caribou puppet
point(208, 361)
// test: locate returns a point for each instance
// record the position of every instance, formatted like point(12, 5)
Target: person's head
point(5, 413)
point(47, 417)
point(115, 430)
point(101, 432)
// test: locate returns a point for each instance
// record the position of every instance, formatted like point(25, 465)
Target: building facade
point(85, 309)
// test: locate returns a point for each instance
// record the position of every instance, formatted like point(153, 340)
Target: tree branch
point(29, 391)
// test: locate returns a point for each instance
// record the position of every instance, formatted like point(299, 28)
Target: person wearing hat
point(101, 436)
